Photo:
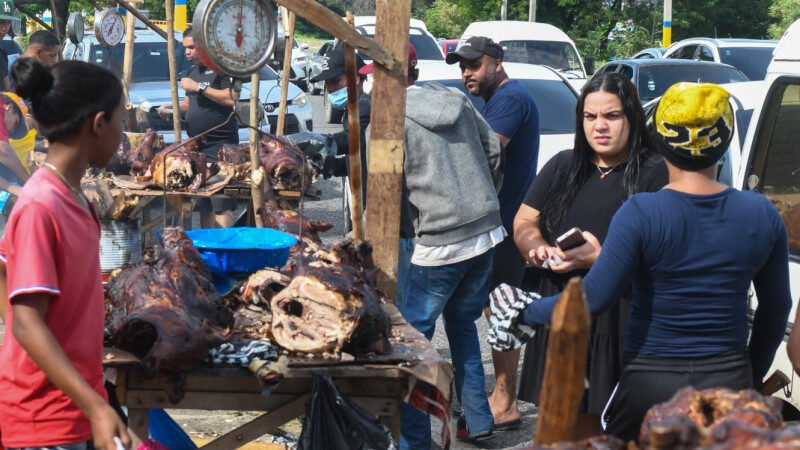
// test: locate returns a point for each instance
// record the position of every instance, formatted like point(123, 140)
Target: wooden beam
point(256, 170)
point(173, 71)
point(141, 17)
point(565, 367)
point(36, 19)
point(330, 22)
point(287, 70)
point(387, 133)
point(354, 135)
point(54, 18)
point(127, 63)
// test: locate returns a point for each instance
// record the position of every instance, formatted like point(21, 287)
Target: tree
point(782, 13)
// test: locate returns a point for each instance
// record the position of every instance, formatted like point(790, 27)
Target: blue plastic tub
point(239, 251)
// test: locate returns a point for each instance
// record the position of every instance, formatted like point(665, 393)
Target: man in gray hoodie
point(452, 172)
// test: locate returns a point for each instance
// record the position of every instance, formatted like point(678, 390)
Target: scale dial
point(237, 36)
point(75, 28)
point(109, 28)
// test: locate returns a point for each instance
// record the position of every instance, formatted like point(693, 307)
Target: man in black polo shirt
point(8, 13)
point(209, 103)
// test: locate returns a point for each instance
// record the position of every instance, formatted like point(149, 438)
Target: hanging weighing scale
point(236, 37)
point(109, 28)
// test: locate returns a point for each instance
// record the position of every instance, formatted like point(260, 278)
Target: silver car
point(150, 86)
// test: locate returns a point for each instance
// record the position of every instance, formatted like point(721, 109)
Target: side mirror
point(588, 65)
point(304, 47)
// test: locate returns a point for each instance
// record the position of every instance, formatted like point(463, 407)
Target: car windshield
point(654, 80)
point(558, 55)
point(753, 61)
point(424, 45)
point(555, 100)
point(149, 60)
point(451, 47)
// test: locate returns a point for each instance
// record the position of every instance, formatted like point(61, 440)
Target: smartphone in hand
point(571, 239)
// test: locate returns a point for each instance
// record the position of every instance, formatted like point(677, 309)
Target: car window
point(149, 60)
point(451, 47)
point(776, 164)
point(324, 49)
point(610, 68)
point(654, 80)
point(424, 45)
point(686, 52)
point(706, 54)
point(626, 70)
point(555, 100)
point(558, 55)
point(643, 56)
point(753, 61)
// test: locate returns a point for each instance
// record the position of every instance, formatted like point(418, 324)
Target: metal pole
point(666, 34)
point(532, 11)
point(504, 10)
point(173, 75)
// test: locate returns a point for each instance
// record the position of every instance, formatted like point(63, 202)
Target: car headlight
point(300, 101)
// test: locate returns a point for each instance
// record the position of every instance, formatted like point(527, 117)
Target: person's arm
point(6, 185)
point(31, 332)
point(491, 146)
point(528, 236)
point(8, 157)
point(771, 284)
point(223, 96)
point(611, 275)
point(505, 117)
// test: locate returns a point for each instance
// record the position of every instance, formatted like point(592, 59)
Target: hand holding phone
point(571, 239)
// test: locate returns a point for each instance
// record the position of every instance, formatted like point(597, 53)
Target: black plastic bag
point(334, 422)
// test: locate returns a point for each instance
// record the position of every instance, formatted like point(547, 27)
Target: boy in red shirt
point(51, 374)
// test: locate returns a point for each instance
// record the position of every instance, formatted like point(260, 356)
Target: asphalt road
point(329, 207)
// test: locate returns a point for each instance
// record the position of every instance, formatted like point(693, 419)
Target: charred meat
point(292, 222)
point(286, 165)
point(142, 155)
point(184, 168)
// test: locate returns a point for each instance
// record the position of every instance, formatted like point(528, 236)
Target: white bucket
point(120, 244)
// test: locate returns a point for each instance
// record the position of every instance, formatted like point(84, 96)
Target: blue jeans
point(458, 291)
point(406, 250)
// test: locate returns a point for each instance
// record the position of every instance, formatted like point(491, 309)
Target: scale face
point(236, 37)
point(109, 28)
point(75, 28)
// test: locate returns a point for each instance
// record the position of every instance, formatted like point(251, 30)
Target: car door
point(705, 54)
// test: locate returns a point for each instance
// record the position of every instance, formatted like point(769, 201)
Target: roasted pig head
point(142, 155)
point(184, 168)
point(286, 165)
point(292, 222)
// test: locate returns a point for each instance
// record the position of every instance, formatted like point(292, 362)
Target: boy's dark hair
point(188, 31)
point(44, 38)
point(65, 95)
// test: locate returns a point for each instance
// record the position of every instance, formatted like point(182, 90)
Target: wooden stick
point(565, 369)
point(54, 16)
point(127, 63)
point(330, 22)
point(173, 72)
point(354, 134)
point(128, 7)
point(256, 170)
point(385, 182)
point(287, 69)
point(35, 18)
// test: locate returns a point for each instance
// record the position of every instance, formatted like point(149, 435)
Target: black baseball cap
point(474, 48)
point(333, 65)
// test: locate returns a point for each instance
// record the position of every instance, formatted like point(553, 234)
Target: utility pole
point(504, 10)
point(532, 11)
point(666, 34)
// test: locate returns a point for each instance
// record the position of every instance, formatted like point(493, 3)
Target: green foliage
point(447, 19)
point(782, 14)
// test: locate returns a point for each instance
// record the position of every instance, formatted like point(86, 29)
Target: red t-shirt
point(51, 245)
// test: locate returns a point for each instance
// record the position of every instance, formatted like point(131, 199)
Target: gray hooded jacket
point(452, 167)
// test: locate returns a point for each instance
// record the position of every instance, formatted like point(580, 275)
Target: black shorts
point(647, 381)
point(508, 266)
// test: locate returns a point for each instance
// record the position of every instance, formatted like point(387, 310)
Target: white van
point(533, 43)
point(771, 165)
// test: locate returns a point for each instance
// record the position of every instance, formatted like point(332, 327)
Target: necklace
point(608, 170)
point(78, 194)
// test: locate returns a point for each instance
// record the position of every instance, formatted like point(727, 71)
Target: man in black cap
point(336, 87)
point(512, 114)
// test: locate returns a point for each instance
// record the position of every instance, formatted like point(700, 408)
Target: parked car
point(448, 45)
point(650, 53)
point(150, 84)
point(770, 162)
point(751, 56)
point(745, 96)
point(533, 43)
point(652, 77)
point(314, 68)
point(298, 74)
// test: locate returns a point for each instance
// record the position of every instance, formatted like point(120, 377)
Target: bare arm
point(528, 236)
point(222, 97)
point(31, 332)
point(9, 158)
point(5, 185)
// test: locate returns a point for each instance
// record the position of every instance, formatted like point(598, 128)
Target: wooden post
point(565, 369)
point(173, 71)
point(127, 67)
point(287, 69)
point(387, 133)
point(256, 170)
point(354, 134)
point(54, 17)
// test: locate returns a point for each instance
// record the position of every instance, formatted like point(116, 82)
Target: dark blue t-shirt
point(512, 112)
point(692, 258)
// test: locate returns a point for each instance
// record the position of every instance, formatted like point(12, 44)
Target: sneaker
point(462, 434)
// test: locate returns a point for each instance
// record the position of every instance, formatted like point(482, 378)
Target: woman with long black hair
point(613, 158)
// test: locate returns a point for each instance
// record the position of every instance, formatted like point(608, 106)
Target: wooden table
point(378, 389)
